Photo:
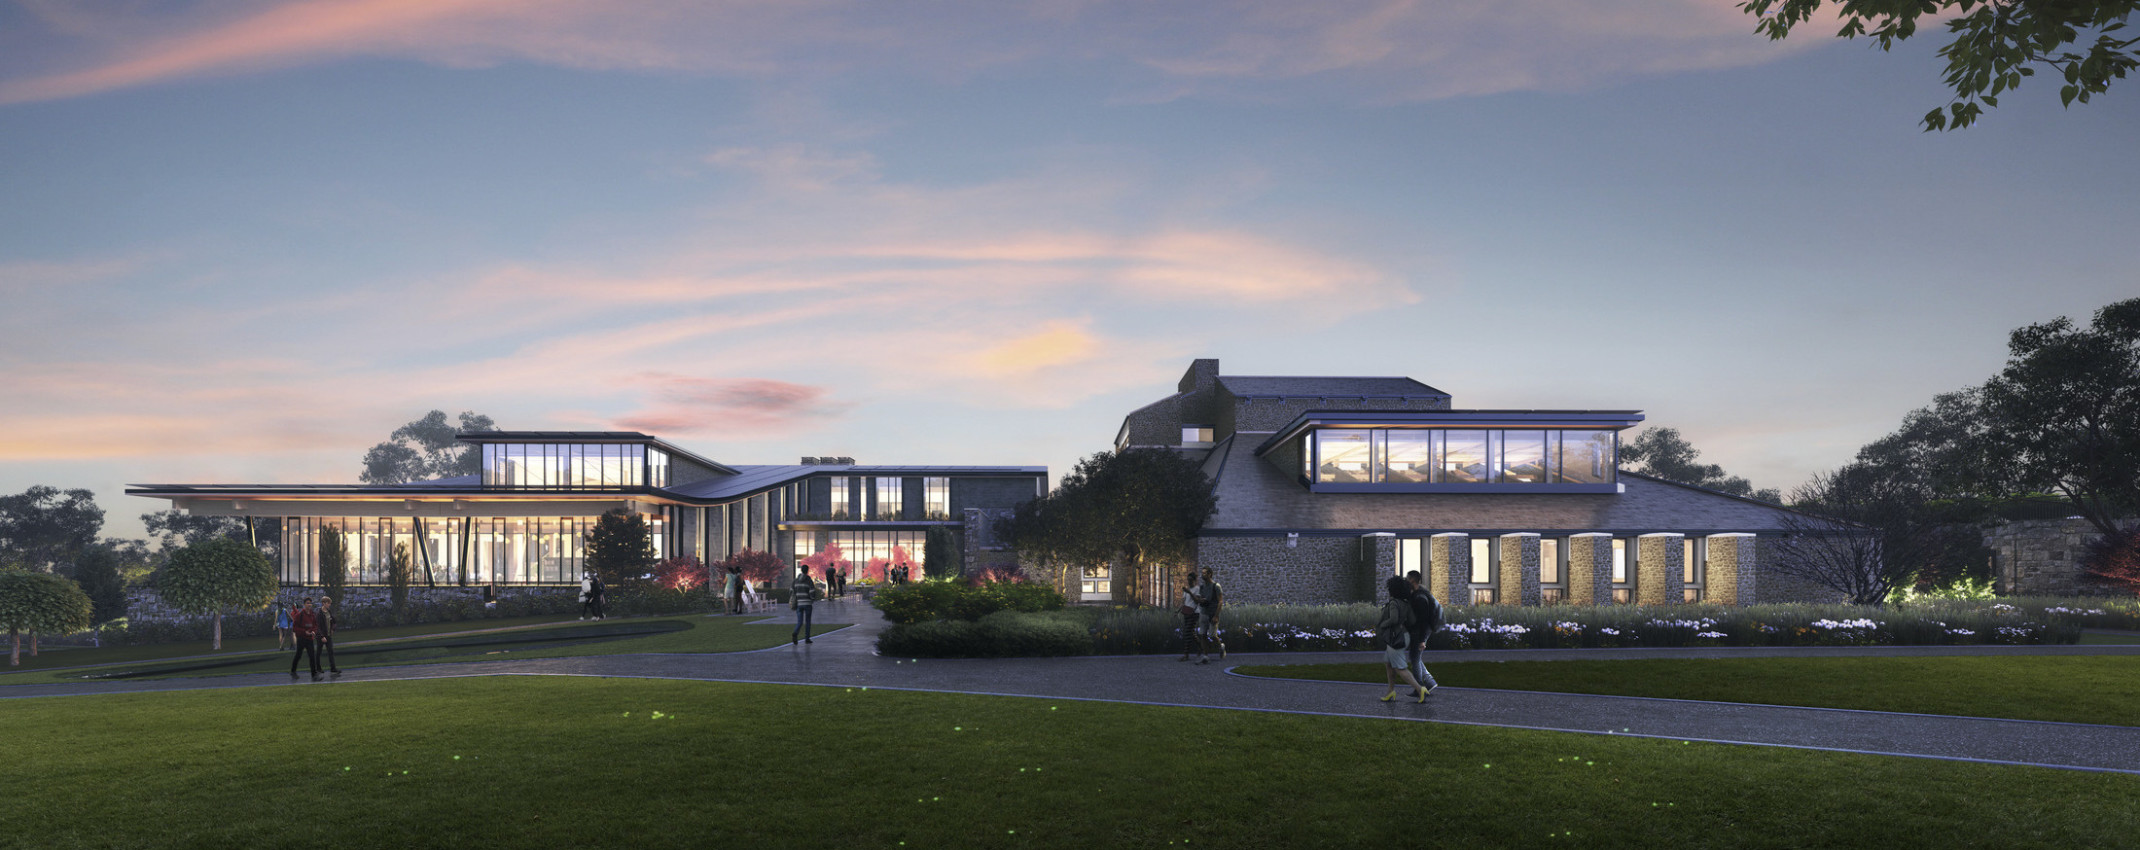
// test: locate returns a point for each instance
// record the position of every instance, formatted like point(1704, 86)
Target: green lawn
point(572, 762)
point(2079, 689)
point(569, 638)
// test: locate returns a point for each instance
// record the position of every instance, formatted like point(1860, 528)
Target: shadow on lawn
point(432, 649)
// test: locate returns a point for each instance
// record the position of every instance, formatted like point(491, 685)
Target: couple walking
point(1200, 601)
point(315, 632)
point(1410, 615)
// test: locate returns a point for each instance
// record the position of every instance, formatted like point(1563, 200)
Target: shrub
point(681, 573)
point(938, 600)
point(1003, 634)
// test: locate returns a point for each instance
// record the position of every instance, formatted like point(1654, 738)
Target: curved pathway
point(846, 658)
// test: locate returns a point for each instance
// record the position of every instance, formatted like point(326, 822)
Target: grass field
point(2078, 689)
point(532, 762)
point(551, 639)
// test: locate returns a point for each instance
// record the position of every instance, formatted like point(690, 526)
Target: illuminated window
point(1482, 571)
point(1407, 457)
point(936, 498)
point(1342, 456)
point(839, 499)
point(1196, 433)
point(1464, 457)
point(1523, 457)
point(891, 492)
point(1586, 457)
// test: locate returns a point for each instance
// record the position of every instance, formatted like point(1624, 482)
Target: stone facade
point(1449, 567)
point(2043, 557)
point(1518, 581)
point(1660, 568)
point(1732, 565)
point(1311, 570)
point(1590, 569)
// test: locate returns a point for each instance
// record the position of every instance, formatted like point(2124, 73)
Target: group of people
point(310, 631)
point(592, 595)
point(1200, 601)
point(1408, 617)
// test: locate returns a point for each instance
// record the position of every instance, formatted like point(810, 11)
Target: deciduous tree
point(425, 449)
point(1140, 508)
point(1863, 535)
point(43, 528)
point(2064, 415)
point(216, 576)
point(1997, 43)
point(39, 602)
point(1667, 455)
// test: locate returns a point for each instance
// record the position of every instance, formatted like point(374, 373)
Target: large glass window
point(1586, 458)
point(1693, 570)
point(936, 498)
point(839, 499)
point(891, 493)
point(1482, 571)
point(1464, 457)
point(657, 468)
point(1552, 573)
point(1196, 433)
point(1523, 457)
point(1623, 585)
point(1408, 457)
point(1342, 456)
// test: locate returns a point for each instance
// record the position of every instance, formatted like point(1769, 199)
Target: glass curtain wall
point(891, 493)
point(860, 547)
point(936, 498)
point(573, 466)
point(500, 550)
point(1460, 456)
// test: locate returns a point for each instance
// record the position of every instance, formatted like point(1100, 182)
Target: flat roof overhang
point(592, 437)
point(1611, 420)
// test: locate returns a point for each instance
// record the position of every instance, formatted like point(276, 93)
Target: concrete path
point(846, 659)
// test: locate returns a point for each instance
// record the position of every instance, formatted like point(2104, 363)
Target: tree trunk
point(33, 643)
point(218, 631)
point(14, 658)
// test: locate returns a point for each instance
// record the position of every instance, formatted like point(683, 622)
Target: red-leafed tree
point(2114, 559)
point(830, 556)
point(682, 572)
point(902, 558)
point(754, 565)
point(875, 569)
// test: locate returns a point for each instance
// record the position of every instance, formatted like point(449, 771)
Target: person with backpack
point(1190, 610)
point(1394, 631)
point(1428, 611)
point(803, 595)
point(1209, 597)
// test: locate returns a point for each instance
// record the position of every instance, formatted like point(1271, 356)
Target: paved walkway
point(846, 659)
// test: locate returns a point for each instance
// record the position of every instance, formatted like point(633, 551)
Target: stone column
point(1590, 569)
point(1518, 582)
point(1732, 565)
point(1449, 568)
point(1660, 569)
point(1378, 561)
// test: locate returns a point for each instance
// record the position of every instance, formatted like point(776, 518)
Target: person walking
point(1189, 610)
point(283, 638)
point(324, 620)
point(734, 592)
point(305, 625)
point(1394, 630)
point(1210, 598)
point(596, 593)
point(586, 593)
point(1427, 611)
point(802, 596)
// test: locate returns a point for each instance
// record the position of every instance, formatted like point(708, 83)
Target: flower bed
point(1333, 628)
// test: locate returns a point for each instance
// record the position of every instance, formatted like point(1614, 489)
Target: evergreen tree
point(620, 547)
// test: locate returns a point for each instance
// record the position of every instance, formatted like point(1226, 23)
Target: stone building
point(1327, 484)
point(2043, 557)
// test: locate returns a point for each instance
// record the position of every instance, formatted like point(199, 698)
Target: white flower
point(1710, 635)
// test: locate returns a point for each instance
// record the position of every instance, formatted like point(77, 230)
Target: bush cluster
point(922, 601)
point(379, 612)
point(1003, 634)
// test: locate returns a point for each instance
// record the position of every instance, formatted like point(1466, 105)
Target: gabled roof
point(1262, 386)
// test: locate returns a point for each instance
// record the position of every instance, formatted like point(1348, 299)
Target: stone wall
point(2043, 557)
point(1312, 571)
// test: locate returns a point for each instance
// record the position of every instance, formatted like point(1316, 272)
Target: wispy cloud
point(1366, 49)
point(730, 406)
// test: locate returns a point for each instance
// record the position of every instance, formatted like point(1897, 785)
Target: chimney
point(848, 461)
point(809, 461)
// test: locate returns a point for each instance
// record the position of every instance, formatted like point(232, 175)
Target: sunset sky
point(243, 240)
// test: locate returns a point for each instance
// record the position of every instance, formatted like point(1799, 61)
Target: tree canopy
point(1997, 43)
point(425, 449)
point(1140, 507)
point(620, 547)
point(43, 528)
point(2064, 415)
point(97, 570)
point(216, 575)
point(39, 603)
point(1667, 455)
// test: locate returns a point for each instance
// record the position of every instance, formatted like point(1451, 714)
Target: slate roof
point(1257, 496)
point(1308, 387)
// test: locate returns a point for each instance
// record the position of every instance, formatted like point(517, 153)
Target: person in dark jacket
point(304, 622)
point(1394, 631)
point(326, 634)
point(1428, 611)
point(802, 594)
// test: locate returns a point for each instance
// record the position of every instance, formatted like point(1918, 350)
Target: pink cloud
point(1369, 49)
point(729, 406)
